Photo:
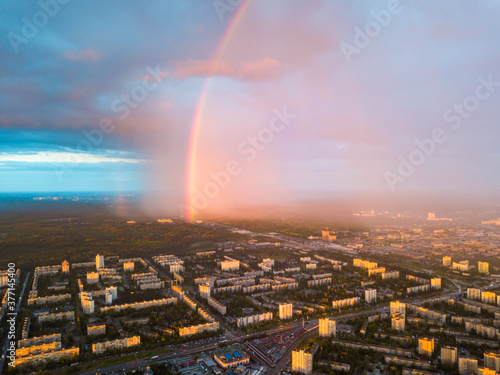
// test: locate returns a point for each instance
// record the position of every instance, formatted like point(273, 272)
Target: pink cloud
point(264, 69)
point(86, 55)
point(157, 78)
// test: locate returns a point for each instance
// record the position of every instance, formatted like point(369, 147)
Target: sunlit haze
point(219, 108)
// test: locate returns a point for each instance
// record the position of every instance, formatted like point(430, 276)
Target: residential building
point(436, 283)
point(65, 267)
point(461, 266)
point(474, 293)
point(371, 295)
point(447, 261)
point(492, 360)
point(327, 327)
point(99, 261)
point(483, 267)
point(302, 362)
point(96, 329)
point(285, 310)
point(140, 305)
point(87, 303)
point(230, 265)
point(221, 309)
point(347, 302)
point(398, 322)
point(489, 297)
point(128, 266)
point(397, 307)
point(390, 275)
point(254, 319)
point(92, 277)
point(204, 290)
point(449, 354)
point(364, 264)
point(375, 271)
point(485, 371)
point(467, 366)
point(127, 342)
point(426, 346)
point(193, 330)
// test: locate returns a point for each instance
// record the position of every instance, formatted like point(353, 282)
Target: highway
point(134, 364)
point(281, 364)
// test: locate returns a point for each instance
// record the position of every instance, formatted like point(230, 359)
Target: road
point(280, 365)
point(137, 363)
point(18, 306)
point(134, 364)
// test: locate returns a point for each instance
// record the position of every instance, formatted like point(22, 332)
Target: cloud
point(264, 69)
point(63, 157)
point(86, 55)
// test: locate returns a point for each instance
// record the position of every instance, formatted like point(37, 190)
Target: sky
point(226, 104)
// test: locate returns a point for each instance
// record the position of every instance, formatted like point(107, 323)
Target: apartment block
point(65, 267)
point(127, 342)
point(376, 271)
point(418, 289)
point(285, 311)
point(474, 293)
point(364, 264)
point(483, 267)
point(302, 362)
point(492, 360)
point(347, 302)
point(489, 297)
point(55, 355)
point(449, 354)
point(96, 329)
point(193, 330)
point(467, 366)
point(371, 295)
point(141, 305)
point(461, 266)
point(221, 309)
point(436, 283)
point(87, 303)
point(426, 346)
point(68, 315)
point(254, 319)
point(398, 322)
point(390, 275)
point(230, 265)
point(319, 282)
point(327, 327)
point(99, 261)
point(205, 290)
point(128, 266)
point(92, 277)
point(397, 307)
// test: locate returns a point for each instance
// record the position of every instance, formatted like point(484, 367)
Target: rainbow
point(197, 119)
